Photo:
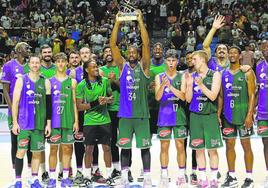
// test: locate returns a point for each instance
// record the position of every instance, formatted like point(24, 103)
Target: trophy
point(128, 11)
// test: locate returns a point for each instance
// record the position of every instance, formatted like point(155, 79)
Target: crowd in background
point(68, 25)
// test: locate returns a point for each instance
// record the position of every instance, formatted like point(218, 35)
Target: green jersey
point(106, 70)
point(48, 72)
point(154, 70)
point(90, 92)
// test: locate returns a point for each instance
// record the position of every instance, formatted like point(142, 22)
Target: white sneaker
point(164, 182)
point(141, 178)
point(124, 183)
point(265, 183)
point(147, 182)
point(181, 181)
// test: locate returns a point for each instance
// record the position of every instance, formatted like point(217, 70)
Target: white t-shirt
point(163, 11)
point(6, 22)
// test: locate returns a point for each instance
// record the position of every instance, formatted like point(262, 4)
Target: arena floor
point(7, 173)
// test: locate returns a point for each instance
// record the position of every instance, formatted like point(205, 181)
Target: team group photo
point(127, 94)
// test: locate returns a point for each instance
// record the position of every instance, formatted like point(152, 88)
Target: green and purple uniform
point(204, 125)
point(79, 74)
point(215, 66)
point(11, 71)
point(262, 113)
point(133, 108)
point(235, 104)
point(62, 119)
point(48, 72)
point(32, 114)
point(171, 114)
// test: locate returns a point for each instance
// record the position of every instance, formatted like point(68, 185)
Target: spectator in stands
point(6, 20)
point(247, 56)
point(177, 41)
point(97, 42)
point(57, 18)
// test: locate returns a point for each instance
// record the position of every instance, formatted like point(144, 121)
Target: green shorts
point(35, 136)
point(61, 136)
point(205, 131)
point(263, 128)
point(140, 127)
point(179, 132)
point(231, 131)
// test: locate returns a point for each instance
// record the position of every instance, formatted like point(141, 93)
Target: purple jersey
point(31, 111)
point(213, 65)
point(262, 81)
point(11, 71)
point(79, 74)
point(171, 112)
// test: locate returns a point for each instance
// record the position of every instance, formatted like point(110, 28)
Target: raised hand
point(219, 21)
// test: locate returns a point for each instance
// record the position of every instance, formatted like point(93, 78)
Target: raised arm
point(215, 88)
point(217, 24)
point(118, 59)
point(251, 83)
point(15, 105)
point(145, 45)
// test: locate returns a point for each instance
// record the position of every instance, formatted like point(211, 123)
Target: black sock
point(95, 155)
point(79, 149)
point(18, 166)
point(14, 148)
point(146, 159)
point(125, 158)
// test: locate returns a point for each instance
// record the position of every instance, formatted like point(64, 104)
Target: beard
point(134, 61)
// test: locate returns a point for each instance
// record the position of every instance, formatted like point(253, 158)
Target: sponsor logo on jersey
point(227, 131)
point(30, 93)
point(263, 76)
point(197, 142)
point(124, 141)
point(262, 129)
point(55, 138)
point(23, 142)
point(164, 133)
point(241, 79)
point(79, 135)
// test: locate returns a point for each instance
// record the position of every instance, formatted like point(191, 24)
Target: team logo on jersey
point(215, 142)
point(56, 92)
point(197, 142)
point(228, 86)
point(164, 133)
point(40, 145)
point(68, 87)
point(145, 142)
point(197, 89)
point(124, 141)
point(28, 85)
point(182, 132)
point(227, 131)
point(79, 135)
point(262, 85)
point(263, 76)
point(30, 93)
point(23, 142)
point(55, 138)
point(262, 129)
point(70, 137)
point(167, 90)
point(241, 79)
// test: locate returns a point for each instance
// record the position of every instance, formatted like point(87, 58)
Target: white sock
point(43, 167)
point(116, 166)
point(164, 172)
point(147, 174)
point(94, 168)
point(202, 174)
point(214, 173)
point(181, 171)
point(125, 173)
point(194, 170)
point(34, 177)
point(65, 173)
point(232, 174)
point(87, 172)
point(80, 169)
point(108, 172)
point(249, 175)
point(52, 174)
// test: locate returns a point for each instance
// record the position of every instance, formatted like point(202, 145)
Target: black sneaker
point(193, 179)
point(87, 183)
point(130, 177)
point(78, 179)
point(110, 181)
point(186, 178)
point(248, 183)
point(97, 177)
point(45, 177)
point(229, 182)
point(116, 174)
point(60, 176)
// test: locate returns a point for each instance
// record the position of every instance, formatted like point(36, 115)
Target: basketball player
point(202, 89)
point(93, 95)
point(262, 102)
point(29, 118)
point(11, 71)
point(64, 120)
point(133, 108)
point(236, 102)
point(111, 71)
point(170, 92)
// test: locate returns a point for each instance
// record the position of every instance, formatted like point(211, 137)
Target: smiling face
point(46, 54)
point(74, 59)
point(61, 65)
point(34, 64)
point(158, 51)
point(132, 54)
point(107, 55)
point(222, 51)
point(234, 56)
point(92, 69)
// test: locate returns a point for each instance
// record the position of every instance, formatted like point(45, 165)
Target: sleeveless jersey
point(11, 71)
point(48, 72)
point(200, 103)
point(32, 105)
point(262, 81)
point(235, 96)
point(62, 103)
point(133, 93)
point(78, 73)
point(171, 112)
point(155, 69)
point(215, 66)
point(106, 70)
point(97, 115)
